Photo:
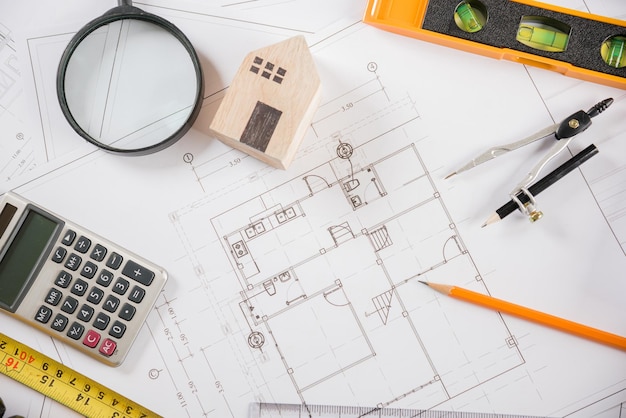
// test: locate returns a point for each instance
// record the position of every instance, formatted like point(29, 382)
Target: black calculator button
point(111, 303)
point(79, 287)
point(121, 286)
point(76, 331)
point(98, 252)
point(59, 322)
point(101, 321)
point(89, 270)
point(43, 314)
point(73, 261)
point(115, 261)
point(85, 313)
point(54, 297)
point(69, 305)
point(59, 254)
point(82, 245)
point(136, 294)
point(63, 279)
point(127, 312)
point(117, 329)
point(95, 295)
point(105, 278)
point(69, 237)
point(138, 272)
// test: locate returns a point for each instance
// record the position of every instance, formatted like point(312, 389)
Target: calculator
point(71, 283)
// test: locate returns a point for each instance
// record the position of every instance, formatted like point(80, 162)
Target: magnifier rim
point(127, 12)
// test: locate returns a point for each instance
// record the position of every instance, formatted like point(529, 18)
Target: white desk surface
point(325, 305)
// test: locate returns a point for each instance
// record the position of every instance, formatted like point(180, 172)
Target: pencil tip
point(491, 220)
point(449, 175)
point(423, 282)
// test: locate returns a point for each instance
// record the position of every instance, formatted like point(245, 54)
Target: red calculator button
point(91, 339)
point(108, 347)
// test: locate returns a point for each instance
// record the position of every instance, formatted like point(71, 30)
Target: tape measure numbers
point(64, 385)
point(273, 410)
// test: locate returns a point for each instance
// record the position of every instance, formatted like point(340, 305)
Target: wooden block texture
point(270, 103)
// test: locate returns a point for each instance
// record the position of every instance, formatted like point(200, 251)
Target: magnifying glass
point(130, 82)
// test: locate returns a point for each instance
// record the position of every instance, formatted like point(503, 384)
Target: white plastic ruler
point(274, 410)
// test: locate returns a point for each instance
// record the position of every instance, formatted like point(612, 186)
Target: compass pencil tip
point(449, 175)
point(493, 218)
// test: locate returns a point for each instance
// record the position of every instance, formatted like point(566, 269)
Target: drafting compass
point(563, 132)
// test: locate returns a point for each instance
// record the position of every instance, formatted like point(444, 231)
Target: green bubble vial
point(543, 33)
point(470, 16)
point(613, 51)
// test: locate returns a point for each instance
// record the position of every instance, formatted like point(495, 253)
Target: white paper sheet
point(302, 285)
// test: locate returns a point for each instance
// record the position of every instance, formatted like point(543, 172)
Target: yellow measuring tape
point(64, 385)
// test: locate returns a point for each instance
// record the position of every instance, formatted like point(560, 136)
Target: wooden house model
point(270, 103)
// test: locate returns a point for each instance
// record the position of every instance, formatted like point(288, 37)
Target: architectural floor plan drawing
point(326, 268)
point(329, 262)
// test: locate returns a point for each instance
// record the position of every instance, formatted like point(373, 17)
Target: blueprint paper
point(302, 285)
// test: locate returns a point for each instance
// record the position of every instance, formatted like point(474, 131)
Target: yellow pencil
point(531, 315)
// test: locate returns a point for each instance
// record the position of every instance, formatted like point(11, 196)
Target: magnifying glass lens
point(130, 83)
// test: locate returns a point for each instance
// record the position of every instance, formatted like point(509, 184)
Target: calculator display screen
point(21, 259)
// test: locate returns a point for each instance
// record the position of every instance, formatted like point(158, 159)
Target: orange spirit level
point(577, 44)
